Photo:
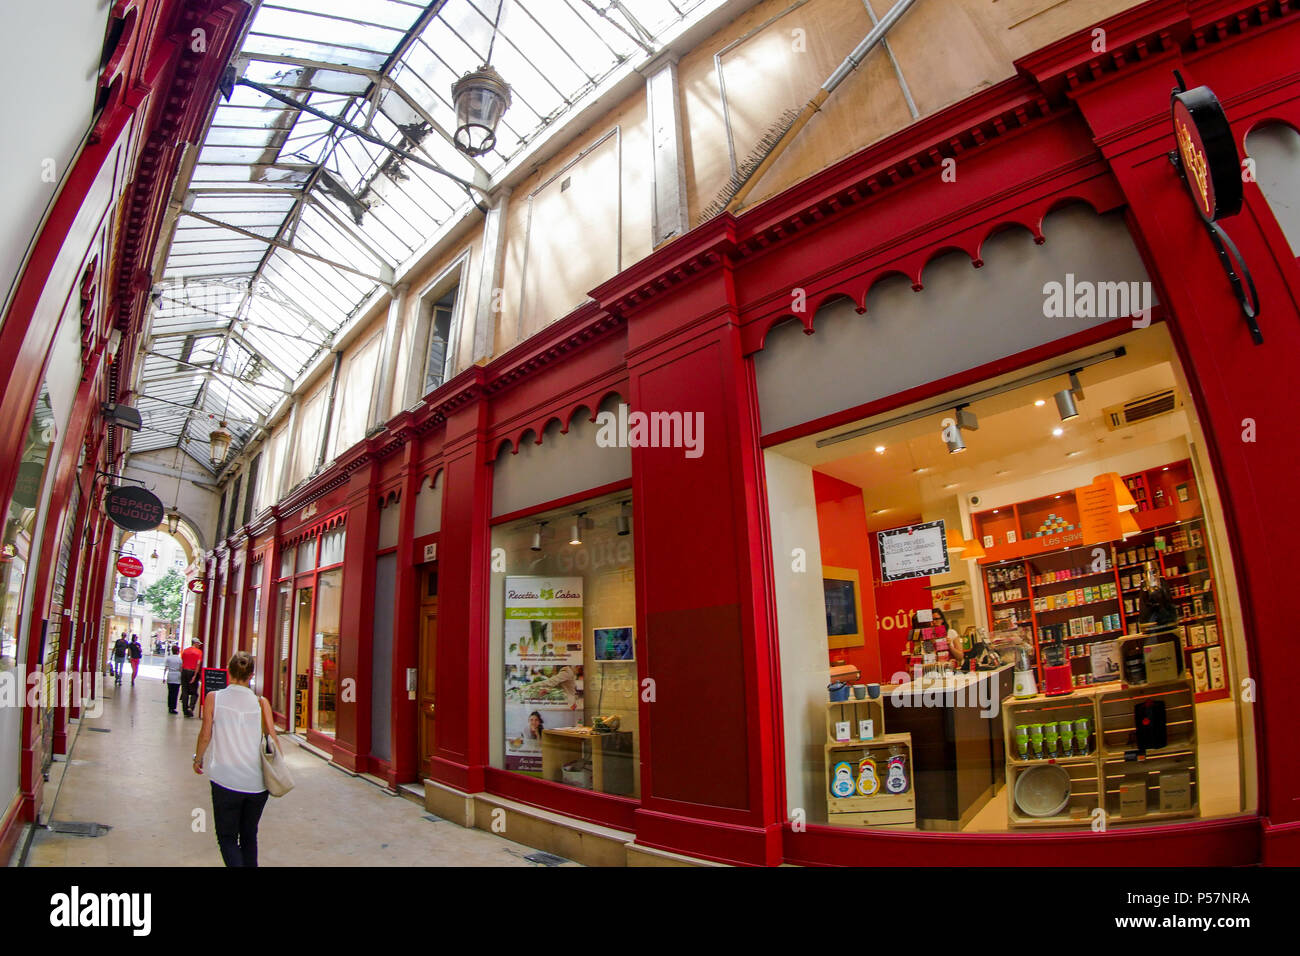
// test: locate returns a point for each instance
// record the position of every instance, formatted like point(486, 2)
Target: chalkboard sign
point(214, 679)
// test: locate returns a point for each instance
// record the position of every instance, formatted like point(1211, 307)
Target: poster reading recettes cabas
point(543, 664)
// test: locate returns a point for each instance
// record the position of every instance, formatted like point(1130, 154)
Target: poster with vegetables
point(543, 664)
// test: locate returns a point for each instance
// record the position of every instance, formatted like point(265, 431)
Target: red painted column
point(711, 764)
point(461, 722)
point(1244, 393)
point(356, 619)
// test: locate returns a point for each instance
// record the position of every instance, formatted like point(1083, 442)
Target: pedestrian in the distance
point(119, 658)
point(234, 719)
point(136, 652)
point(191, 662)
point(172, 674)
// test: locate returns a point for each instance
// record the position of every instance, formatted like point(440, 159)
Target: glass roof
point(290, 223)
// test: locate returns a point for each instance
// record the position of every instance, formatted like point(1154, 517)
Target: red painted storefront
point(678, 330)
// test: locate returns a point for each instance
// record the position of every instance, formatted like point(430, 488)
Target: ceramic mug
point(860, 691)
point(873, 691)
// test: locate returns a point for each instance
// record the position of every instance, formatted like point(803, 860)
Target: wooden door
point(428, 663)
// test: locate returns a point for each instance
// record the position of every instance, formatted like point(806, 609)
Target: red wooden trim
point(11, 826)
point(602, 808)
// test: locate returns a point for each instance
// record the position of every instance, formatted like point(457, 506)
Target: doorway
point(425, 691)
point(302, 661)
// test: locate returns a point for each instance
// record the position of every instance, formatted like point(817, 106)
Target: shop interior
point(1011, 691)
point(563, 634)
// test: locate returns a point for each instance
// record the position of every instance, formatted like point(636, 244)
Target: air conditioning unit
point(1141, 409)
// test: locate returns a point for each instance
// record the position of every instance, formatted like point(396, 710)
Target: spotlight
point(575, 533)
point(880, 449)
point(537, 536)
point(1058, 431)
point(624, 521)
point(957, 443)
point(965, 419)
point(1065, 406)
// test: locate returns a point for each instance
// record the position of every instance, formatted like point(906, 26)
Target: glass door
point(302, 660)
point(280, 652)
point(325, 651)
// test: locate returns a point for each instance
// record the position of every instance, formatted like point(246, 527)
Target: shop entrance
point(302, 661)
point(428, 666)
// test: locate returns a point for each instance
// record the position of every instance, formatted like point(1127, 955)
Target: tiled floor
point(137, 779)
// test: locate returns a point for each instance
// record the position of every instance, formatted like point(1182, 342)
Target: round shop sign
point(132, 508)
point(195, 586)
point(1208, 153)
point(129, 566)
point(126, 593)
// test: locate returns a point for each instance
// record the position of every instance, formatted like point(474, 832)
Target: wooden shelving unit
point(1034, 539)
point(885, 810)
point(1111, 766)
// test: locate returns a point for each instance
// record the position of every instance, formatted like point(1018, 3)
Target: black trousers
point(189, 691)
point(173, 691)
point(236, 815)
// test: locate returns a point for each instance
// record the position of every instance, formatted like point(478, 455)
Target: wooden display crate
point(1112, 767)
point(882, 809)
point(854, 711)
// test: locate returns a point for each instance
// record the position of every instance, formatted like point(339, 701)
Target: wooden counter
point(958, 755)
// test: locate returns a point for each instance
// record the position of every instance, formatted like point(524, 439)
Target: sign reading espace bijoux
point(132, 508)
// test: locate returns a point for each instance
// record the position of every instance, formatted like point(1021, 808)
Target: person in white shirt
point(234, 720)
point(172, 675)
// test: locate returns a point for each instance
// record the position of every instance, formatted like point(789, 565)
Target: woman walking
point(172, 674)
point(234, 720)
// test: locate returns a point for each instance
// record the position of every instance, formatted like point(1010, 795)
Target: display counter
point(957, 742)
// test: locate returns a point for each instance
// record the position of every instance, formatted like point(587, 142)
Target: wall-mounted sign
point(129, 566)
point(133, 508)
point(1098, 512)
point(431, 552)
point(913, 551)
point(1208, 153)
point(195, 585)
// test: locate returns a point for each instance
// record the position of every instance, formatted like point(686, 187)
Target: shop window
point(279, 665)
point(1275, 148)
point(306, 555)
point(563, 634)
point(1027, 617)
point(325, 652)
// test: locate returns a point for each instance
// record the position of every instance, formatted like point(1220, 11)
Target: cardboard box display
point(1133, 798)
point(1175, 791)
point(1200, 673)
point(1161, 662)
point(1214, 658)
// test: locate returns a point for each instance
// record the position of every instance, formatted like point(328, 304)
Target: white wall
point(48, 73)
point(801, 627)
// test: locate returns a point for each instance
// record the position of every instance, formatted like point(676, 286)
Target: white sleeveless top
point(234, 760)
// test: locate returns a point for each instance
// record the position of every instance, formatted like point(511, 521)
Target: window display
point(1088, 630)
point(563, 626)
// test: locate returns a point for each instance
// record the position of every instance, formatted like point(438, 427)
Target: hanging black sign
point(132, 508)
point(1208, 152)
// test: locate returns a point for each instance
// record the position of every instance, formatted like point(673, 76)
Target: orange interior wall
point(846, 543)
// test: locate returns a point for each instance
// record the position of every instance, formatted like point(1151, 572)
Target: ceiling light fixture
point(481, 98)
point(537, 537)
point(1066, 398)
point(1039, 403)
point(1058, 431)
point(575, 533)
point(624, 520)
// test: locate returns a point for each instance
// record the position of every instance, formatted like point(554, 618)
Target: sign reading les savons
point(1208, 153)
point(132, 508)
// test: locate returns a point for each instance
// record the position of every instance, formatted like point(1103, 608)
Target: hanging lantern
point(173, 521)
point(220, 442)
point(480, 99)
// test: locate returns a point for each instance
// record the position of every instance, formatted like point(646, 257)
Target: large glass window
point(563, 628)
point(309, 632)
point(438, 351)
point(280, 647)
point(1028, 616)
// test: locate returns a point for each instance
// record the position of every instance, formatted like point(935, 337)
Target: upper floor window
point(437, 353)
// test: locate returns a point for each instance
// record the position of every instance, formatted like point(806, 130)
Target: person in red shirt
point(191, 662)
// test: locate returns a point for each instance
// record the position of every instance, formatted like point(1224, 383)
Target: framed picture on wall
point(842, 588)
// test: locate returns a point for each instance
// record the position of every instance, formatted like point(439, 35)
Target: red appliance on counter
point(1057, 677)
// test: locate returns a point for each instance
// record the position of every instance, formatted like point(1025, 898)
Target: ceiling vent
point(1141, 409)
